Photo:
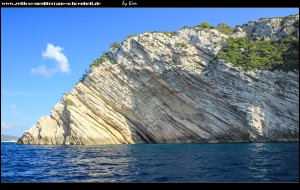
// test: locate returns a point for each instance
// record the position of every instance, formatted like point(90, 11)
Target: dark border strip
point(150, 3)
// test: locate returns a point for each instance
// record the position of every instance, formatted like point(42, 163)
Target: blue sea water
point(245, 162)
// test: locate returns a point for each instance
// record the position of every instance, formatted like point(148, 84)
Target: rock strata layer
point(169, 88)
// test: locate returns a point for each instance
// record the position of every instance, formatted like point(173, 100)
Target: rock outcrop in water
point(170, 88)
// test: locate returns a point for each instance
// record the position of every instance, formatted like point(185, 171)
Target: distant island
point(9, 138)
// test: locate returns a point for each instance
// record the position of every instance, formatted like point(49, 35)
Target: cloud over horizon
point(53, 52)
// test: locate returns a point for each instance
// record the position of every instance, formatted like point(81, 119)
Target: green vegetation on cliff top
point(263, 55)
point(248, 53)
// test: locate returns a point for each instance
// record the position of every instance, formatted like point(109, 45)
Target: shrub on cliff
point(262, 55)
point(69, 102)
point(97, 62)
point(205, 25)
point(224, 28)
point(182, 44)
point(287, 18)
point(114, 45)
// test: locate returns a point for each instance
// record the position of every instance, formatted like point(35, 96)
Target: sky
point(44, 51)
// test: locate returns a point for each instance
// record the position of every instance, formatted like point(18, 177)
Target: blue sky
point(44, 51)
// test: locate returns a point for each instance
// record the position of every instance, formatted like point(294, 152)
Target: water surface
point(247, 162)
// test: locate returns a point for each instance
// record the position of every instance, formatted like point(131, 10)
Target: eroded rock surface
point(166, 89)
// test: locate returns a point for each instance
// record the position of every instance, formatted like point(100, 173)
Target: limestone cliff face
point(165, 88)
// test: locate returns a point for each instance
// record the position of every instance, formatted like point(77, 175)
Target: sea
point(237, 162)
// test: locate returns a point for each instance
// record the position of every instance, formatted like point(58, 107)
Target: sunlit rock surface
point(166, 89)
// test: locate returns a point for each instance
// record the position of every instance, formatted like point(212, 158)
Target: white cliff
point(169, 88)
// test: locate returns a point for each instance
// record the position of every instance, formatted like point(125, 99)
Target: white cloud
point(6, 125)
point(53, 52)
